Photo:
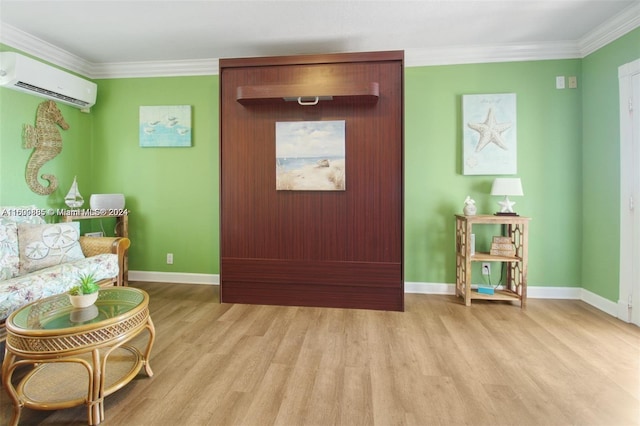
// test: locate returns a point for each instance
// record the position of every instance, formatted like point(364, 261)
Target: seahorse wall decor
point(47, 143)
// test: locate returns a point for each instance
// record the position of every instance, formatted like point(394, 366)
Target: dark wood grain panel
point(327, 58)
point(356, 224)
point(361, 225)
point(337, 92)
point(299, 294)
point(312, 272)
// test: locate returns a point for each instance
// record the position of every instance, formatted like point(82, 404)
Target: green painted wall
point(601, 164)
point(549, 164)
point(172, 189)
point(173, 192)
point(17, 109)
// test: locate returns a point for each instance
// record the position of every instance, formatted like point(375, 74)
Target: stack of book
point(502, 246)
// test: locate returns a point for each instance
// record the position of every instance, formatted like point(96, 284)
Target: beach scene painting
point(165, 126)
point(310, 155)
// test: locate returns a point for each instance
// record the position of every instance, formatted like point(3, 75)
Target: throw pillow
point(9, 260)
point(46, 245)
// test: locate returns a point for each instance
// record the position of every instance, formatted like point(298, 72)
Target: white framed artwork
point(310, 155)
point(489, 136)
point(165, 126)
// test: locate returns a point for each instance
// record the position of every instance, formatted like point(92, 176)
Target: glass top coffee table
point(78, 356)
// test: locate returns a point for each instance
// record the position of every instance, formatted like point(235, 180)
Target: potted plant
point(86, 293)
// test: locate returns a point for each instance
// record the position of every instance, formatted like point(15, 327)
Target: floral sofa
point(38, 259)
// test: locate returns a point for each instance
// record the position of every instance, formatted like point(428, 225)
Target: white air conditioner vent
point(51, 94)
point(21, 73)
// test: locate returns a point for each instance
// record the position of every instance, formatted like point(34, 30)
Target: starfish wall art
point(489, 134)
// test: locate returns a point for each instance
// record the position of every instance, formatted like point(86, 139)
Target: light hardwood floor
point(437, 363)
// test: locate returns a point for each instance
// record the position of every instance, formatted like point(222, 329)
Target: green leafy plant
point(87, 285)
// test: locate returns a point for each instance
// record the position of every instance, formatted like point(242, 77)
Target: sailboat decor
point(73, 199)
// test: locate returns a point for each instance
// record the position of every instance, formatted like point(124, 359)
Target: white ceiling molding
point(616, 27)
point(157, 69)
point(480, 54)
point(43, 50)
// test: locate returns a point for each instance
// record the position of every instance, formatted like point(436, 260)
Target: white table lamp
point(506, 187)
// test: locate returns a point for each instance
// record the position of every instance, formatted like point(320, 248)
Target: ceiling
point(116, 32)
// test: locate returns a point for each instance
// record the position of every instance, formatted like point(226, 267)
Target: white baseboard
point(624, 311)
point(533, 292)
point(539, 292)
point(429, 288)
point(605, 305)
point(175, 277)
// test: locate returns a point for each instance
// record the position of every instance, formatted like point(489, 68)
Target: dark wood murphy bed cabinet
point(313, 248)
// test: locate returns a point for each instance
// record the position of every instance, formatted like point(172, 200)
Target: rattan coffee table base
point(76, 360)
point(64, 384)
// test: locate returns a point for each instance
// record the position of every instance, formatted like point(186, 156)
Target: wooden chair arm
point(92, 246)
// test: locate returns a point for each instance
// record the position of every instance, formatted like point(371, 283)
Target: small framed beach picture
point(165, 126)
point(310, 155)
point(489, 134)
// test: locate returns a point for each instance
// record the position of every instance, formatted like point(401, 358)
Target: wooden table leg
point(97, 397)
point(8, 367)
point(147, 352)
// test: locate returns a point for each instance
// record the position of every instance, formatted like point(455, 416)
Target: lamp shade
point(507, 186)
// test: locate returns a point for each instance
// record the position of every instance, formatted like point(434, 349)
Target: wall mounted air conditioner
point(21, 73)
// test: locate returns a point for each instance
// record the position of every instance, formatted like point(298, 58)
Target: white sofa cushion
point(10, 217)
point(9, 259)
point(45, 245)
point(19, 291)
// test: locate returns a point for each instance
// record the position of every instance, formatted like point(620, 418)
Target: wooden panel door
point(313, 248)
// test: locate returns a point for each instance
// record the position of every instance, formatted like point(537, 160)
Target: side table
point(516, 229)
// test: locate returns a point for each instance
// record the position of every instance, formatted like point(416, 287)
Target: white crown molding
point(626, 21)
point(619, 25)
point(455, 55)
point(157, 68)
point(43, 50)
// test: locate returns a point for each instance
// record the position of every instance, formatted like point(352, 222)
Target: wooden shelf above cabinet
point(276, 93)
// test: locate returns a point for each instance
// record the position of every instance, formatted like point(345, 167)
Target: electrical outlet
point(169, 258)
point(486, 268)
